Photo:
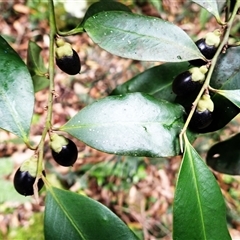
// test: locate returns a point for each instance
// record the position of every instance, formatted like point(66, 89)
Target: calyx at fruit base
point(198, 73)
point(57, 142)
point(205, 103)
point(64, 49)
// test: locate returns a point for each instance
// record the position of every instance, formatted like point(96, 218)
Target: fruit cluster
point(64, 152)
point(190, 82)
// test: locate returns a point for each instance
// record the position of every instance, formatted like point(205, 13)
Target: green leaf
point(226, 74)
point(72, 216)
point(156, 81)
point(211, 6)
point(16, 93)
point(133, 124)
point(36, 67)
point(141, 37)
point(221, 5)
point(199, 210)
point(224, 156)
point(107, 5)
point(232, 95)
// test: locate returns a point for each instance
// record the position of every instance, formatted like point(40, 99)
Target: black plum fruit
point(203, 115)
point(189, 81)
point(25, 176)
point(201, 120)
point(207, 46)
point(64, 150)
point(67, 58)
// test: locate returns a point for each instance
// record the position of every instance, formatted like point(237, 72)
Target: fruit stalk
point(48, 122)
point(205, 86)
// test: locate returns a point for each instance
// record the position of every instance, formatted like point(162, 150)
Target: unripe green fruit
point(67, 58)
point(190, 81)
point(25, 177)
point(64, 150)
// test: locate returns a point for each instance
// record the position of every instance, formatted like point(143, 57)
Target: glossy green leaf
point(141, 37)
point(232, 95)
point(226, 74)
point(36, 67)
point(199, 210)
point(103, 5)
point(221, 4)
point(16, 93)
point(156, 81)
point(133, 124)
point(224, 156)
point(211, 6)
point(73, 216)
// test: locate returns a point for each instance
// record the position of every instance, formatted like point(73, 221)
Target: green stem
point(53, 24)
point(210, 71)
point(48, 122)
point(71, 32)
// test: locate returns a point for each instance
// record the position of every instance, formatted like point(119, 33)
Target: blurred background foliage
point(139, 190)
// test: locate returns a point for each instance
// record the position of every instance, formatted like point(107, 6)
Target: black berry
point(183, 84)
point(64, 150)
point(203, 115)
point(207, 46)
point(69, 64)
point(189, 81)
point(67, 58)
point(23, 182)
point(201, 120)
point(207, 51)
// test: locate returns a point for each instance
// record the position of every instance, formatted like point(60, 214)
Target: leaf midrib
point(65, 212)
point(166, 40)
point(196, 186)
point(116, 123)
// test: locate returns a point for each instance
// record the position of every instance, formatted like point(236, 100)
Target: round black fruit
point(67, 155)
point(203, 115)
point(208, 52)
point(201, 120)
point(23, 182)
point(69, 64)
point(183, 84)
